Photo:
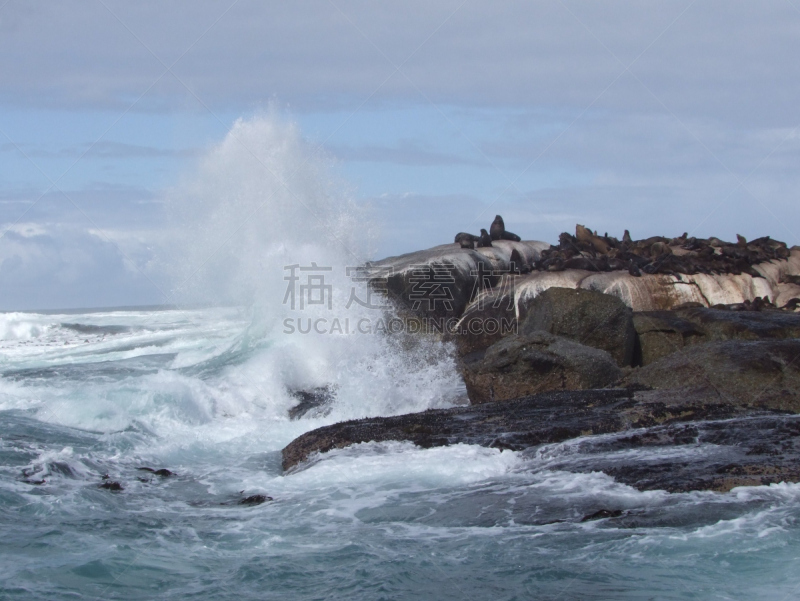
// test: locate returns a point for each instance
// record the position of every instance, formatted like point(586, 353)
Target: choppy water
point(88, 395)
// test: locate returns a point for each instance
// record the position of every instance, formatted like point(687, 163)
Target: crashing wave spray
point(262, 201)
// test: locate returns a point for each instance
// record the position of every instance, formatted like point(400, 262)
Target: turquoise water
point(201, 394)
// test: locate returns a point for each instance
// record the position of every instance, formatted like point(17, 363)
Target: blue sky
point(658, 117)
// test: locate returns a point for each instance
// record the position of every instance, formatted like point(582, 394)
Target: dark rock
point(662, 333)
point(519, 365)
point(112, 486)
point(522, 423)
point(255, 500)
point(602, 514)
point(744, 325)
point(743, 451)
point(163, 472)
point(760, 373)
point(727, 445)
point(316, 401)
point(591, 318)
point(437, 283)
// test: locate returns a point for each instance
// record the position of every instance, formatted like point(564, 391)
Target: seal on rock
point(485, 240)
point(461, 236)
point(498, 230)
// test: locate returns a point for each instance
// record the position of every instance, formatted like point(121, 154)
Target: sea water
point(92, 397)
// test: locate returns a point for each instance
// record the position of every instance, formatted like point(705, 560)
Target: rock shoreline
point(621, 365)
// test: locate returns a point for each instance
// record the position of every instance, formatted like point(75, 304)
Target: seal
point(467, 243)
point(498, 230)
point(485, 241)
point(465, 236)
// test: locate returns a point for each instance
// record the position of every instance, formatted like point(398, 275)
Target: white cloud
point(63, 266)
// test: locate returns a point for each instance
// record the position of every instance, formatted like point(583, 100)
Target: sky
point(660, 117)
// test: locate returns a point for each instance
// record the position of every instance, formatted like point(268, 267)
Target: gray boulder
point(520, 365)
point(590, 318)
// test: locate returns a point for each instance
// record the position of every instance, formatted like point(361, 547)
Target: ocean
point(202, 393)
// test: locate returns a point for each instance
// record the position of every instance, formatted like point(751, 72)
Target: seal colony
point(669, 256)
point(588, 251)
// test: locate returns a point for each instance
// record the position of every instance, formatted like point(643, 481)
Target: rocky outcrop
point(520, 365)
point(758, 373)
point(732, 445)
point(653, 292)
point(441, 281)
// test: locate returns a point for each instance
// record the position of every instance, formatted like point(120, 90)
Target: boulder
point(588, 317)
point(750, 373)
point(520, 365)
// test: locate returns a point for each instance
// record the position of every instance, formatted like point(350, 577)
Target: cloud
point(67, 267)
point(406, 152)
point(729, 61)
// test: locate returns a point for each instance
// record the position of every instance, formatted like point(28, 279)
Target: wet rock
point(588, 317)
point(758, 373)
point(634, 436)
point(163, 472)
point(521, 423)
point(112, 486)
point(314, 403)
point(525, 364)
point(255, 500)
point(602, 514)
point(720, 454)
